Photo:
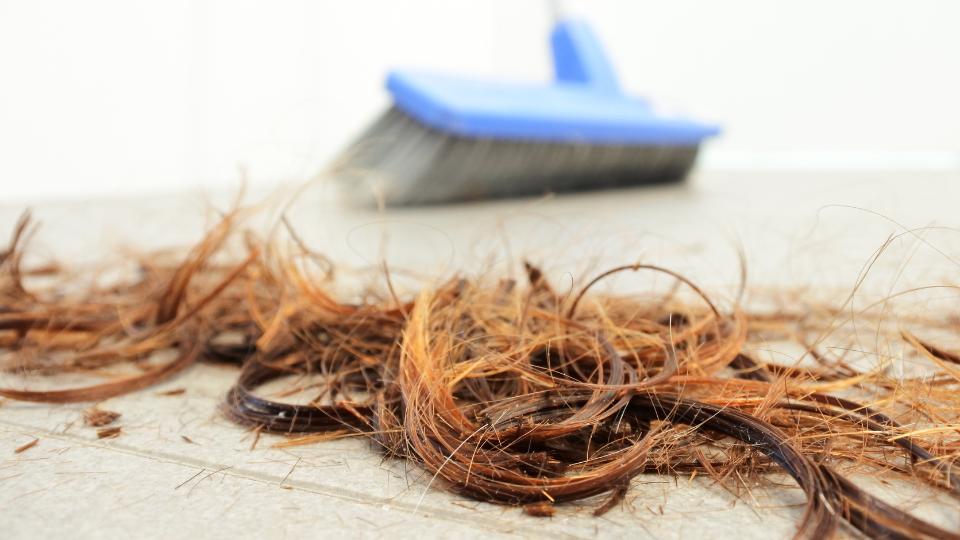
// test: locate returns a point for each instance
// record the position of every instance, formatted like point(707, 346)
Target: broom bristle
point(402, 162)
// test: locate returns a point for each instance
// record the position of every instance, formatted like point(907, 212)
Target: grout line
point(312, 487)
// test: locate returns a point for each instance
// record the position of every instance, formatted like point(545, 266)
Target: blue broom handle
point(578, 56)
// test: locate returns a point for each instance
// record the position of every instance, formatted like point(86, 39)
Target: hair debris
point(109, 432)
point(507, 393)
point(25, 447)
point(96, 417)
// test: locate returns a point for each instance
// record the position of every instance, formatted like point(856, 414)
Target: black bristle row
point(400, 161)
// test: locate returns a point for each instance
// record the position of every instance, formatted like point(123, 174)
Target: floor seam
point(313, 487)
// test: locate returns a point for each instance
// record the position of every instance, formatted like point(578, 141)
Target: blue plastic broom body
point(584, 104)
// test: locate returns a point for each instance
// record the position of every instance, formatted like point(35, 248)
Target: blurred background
point(114, 97)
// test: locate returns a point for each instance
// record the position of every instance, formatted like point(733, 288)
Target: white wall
point(113, 96)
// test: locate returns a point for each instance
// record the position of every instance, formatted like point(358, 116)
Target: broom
point(450, 139)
